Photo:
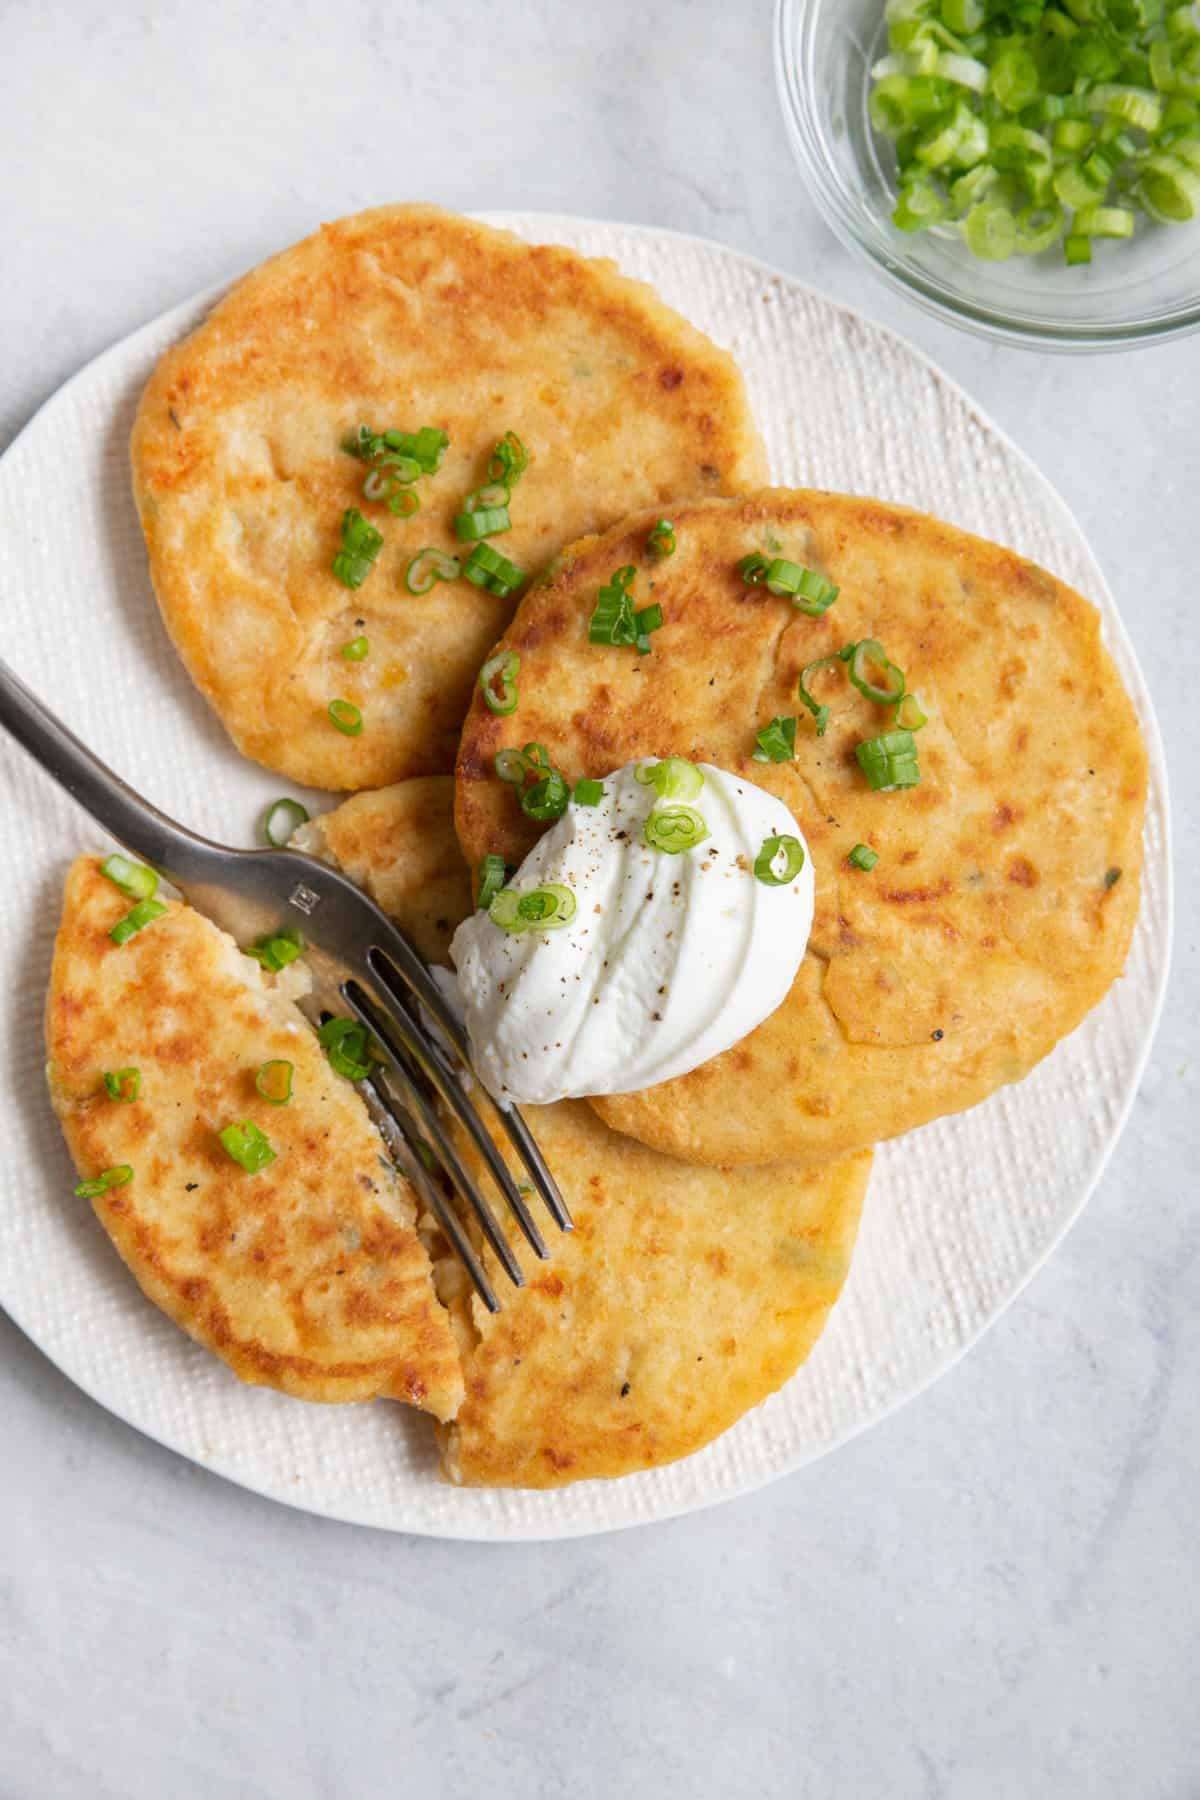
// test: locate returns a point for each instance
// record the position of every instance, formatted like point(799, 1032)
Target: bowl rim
point(794, 17)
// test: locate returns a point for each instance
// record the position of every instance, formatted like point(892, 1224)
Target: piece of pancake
point(683, 1297)
point(398, 843)
point(308, 1276)
point(400, 318)
point(1007, 885)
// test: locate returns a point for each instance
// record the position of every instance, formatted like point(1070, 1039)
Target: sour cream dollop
point(668, 960)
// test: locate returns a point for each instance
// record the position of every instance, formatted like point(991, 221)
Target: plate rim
point(545, 225)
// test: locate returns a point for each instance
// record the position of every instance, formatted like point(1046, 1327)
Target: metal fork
point(358, 958)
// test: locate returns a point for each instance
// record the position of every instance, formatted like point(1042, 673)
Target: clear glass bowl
point(1134, 293)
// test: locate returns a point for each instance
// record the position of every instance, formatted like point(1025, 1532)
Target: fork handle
point(134, 822)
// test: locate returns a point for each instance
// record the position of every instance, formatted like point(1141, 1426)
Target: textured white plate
point(958, 1216)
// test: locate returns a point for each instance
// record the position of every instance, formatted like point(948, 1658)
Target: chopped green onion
point(346, 717)
point(614, 617)
point(108, 1178)
point(588, 793)
point(123, 1084)
point(649, 619)
point(513, 766)
point(674, 778)
point(274, 1080)
point(1104, 222)
point(820, 713)
point(776, 742)
point(509, 460)
point(345, 1044)
point(498, 682)
point(909, 716)
point(863, 857)
point(662, 539)
point(792, 852)
point(135, 880)
point(1078, 249)
point(428, 567)
point(356, 650)
point(276, 949)
point(380, 483)
point(807, 590)
point(674, 829)
point(873, 675)
point(486, 568)
point(144, 913)
point(486, 522)
point(281, 819)
point(493, 873)
point(889, 761)
point(546, 908)
point(494, 493)
point(425, 447)
point(248, 1146)
point(990, 232)
point(361, 544)
point(547, 798)
point(1170, 187)
point(1015, 80)
point(753, 568)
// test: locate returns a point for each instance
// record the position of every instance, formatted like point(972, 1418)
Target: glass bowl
point(1140, 292)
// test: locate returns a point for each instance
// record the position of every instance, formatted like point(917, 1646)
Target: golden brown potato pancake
point(308, 1276)
point(1007, 885)
point(399, 318)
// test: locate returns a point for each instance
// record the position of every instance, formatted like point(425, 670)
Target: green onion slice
point(123, 1084)
point(108, 1178)
point(346, 717)
point(428, 567)
point(486, 568)
point(498, 682)
point(546, 908)
point(486, 522)
point(809, 592)
point(135, 880)
point(345, 1044)
point(361, 544)
point(425, 447)
point(281, 818)
point(546, 799)
point(494, 493)
point(274, 1080)
point(776, 742)
point(768, 867)
point(674, 778)
point(862, 857)
point(753, 568)
point(674, 829)
point(276, 949)
point(909, 716)
point(649, 619)
point(819, 712)
point(493, 873)
point(889, 761)
point(873, 675)
point(248, 1146)
point(616, 621)
point(662, 538)
point(356, 650)
point(143, 914)
point(509, 460)
point(588, 793)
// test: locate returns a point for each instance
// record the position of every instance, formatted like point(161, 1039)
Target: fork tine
point(429, 1055)
point(426, 990)
point(381, 1025)
point(395, 1124)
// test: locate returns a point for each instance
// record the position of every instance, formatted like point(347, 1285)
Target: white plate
point(959, 1215)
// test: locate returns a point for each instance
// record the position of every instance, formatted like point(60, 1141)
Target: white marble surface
point(995, 1593)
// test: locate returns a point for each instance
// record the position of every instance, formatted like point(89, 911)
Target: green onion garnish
point(277, 948)
point(807, 590)
point(281, 818)
point(108, 1178)
point(662, 539)
point(135, 881)
point(144, 913)
point(428, 567)
point(346, 717)
point(588, 793)
point(819, 712)
point(547, 798)
point(616, 621)
point(361, 544)
point(546, 908)
point(674, 778)
point(493, 873)
point(649, 619)
point(909, 716)
point(509, 460)
point(753, 568)
point(356, 650)
point(486, 522)
point(790, 849)
point(425, 447)
point(498, 682)
point(889, 761)
point(872, 674)
point(494, 493)
point(862, 857)
point(776, 742)
point(247, 1145)
point(123, 1084)
point(674, 829)
point(345, 1044)
point(274, 1080)
point(486, 568)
